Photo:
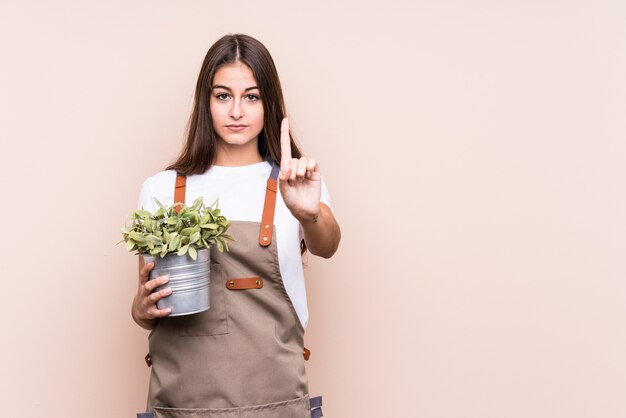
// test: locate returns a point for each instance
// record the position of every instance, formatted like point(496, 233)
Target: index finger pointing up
point(285, 145)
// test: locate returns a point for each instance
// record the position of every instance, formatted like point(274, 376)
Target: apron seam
point(282, 282)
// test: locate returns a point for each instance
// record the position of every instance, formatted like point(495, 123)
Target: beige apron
point(243, 357)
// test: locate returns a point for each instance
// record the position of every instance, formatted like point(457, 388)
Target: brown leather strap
point(307, 353)
point(267, 220)
point(244, 283)
point(179, 190)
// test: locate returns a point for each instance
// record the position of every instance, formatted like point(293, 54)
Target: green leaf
point(183, 250)
point(193, 253)
point(220, 247)
point(143, 213)
point(174, 243)
point(197, 203)
point(136, 236)
point(195, 237)
point(157, 202)
point(208, 226)
point(130, 245)
point(187, 231)
point(155, 240)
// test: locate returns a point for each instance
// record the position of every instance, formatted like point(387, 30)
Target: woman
point(244, 356)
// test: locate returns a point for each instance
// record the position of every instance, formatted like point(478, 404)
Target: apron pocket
point(295, 408)
point(213, 321)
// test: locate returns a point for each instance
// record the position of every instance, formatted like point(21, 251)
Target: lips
point(236, 128)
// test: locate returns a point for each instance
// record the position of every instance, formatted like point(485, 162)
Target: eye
point(252, 97)
point(219, 96)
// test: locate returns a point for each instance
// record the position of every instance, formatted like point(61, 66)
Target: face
point(235, 104)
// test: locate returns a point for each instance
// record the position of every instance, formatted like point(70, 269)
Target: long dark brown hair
point(199, 151)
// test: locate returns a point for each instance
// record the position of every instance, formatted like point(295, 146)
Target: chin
point(235, 143)
point(230, 140)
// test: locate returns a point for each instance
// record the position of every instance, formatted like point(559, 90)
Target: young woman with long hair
point(244, 357)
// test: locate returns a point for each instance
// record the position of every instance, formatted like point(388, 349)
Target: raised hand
point(300, 180)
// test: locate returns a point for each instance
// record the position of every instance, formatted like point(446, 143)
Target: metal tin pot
point(189, 281)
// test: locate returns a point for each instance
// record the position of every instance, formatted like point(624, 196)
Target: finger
point(285, 145)
point(311, 167)
point(157, 296)
point(293, 166)
point(154, 283)
point(158, 313)
point(144, 271)
point(301, 169)
point(283, 175)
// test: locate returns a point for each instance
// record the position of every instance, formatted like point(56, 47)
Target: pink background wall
point(475, 156)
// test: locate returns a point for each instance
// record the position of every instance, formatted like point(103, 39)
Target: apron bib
point(242, 358)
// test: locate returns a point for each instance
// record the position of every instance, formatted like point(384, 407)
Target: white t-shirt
point(241, 193)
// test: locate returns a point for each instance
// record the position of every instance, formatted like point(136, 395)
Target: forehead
point(234, 75)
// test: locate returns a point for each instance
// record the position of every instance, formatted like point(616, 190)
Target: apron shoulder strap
point(267, 219)
point(179, 189)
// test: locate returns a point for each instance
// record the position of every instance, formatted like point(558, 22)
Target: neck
point(229, 155)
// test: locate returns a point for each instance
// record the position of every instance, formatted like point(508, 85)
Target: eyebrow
point(219, 86)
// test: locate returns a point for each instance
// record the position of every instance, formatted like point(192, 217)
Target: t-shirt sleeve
point(324, 198)
point(146, 200)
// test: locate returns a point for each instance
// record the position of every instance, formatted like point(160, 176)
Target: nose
point(236, 111)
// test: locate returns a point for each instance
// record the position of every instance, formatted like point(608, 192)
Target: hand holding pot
point(144, 309)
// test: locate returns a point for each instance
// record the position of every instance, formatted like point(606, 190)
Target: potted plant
point(178, 239)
